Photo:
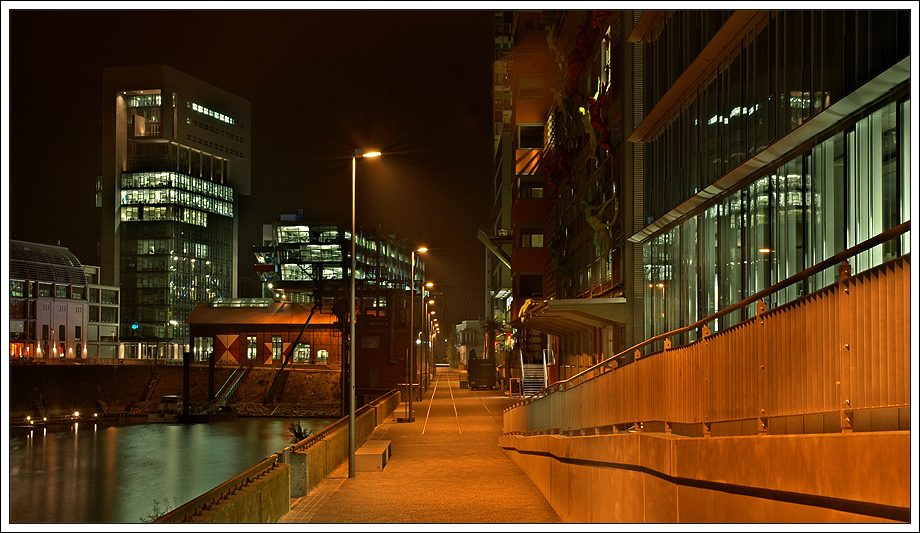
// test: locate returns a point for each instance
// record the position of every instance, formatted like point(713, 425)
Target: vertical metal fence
point(829, 355)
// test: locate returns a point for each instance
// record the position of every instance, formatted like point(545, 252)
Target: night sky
point(414, 84)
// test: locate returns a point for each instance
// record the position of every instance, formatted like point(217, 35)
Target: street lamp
point(351, 320)
point(410, 361)
point(428, 357)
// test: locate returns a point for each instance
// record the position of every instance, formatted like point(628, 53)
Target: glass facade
point(847, 188)
point(168, 267)
point(177, 250)
point(791, 67)
point(312, 253)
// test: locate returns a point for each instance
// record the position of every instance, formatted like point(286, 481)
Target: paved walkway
point(446, 467)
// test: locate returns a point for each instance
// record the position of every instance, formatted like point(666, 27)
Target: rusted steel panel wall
point(878, 359)
point(845, 347)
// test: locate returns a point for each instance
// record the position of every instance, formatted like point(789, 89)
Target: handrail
point(194, 506)
point(313, 438)
point(204, 502)
point(226, 390)
point(871, 242)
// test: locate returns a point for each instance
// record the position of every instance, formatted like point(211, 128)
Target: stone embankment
point(135, 388)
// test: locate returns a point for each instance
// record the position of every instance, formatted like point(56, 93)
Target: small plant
point(299, 432)
point(158, 512)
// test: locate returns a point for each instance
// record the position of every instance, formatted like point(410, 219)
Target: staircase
point(534, 378)
point(226, 391)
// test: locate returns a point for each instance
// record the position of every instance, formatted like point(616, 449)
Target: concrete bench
point(373, 456)
point(385, 443)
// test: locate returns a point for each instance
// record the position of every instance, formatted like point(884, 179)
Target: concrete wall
point(263, 501)
point(662, 478)
point(63, 389)
point(311, 465)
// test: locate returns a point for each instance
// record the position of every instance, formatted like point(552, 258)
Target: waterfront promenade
point(446, 467)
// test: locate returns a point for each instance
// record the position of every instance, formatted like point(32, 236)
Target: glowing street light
point(410, 361)
point(351, 319)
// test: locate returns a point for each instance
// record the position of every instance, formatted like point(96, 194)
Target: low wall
point(664, 478)
point(263, 493)
point(313, 459)
point(257, 496)
point(261, 502)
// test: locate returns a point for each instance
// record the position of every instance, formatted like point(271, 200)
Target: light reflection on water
point(103, 473)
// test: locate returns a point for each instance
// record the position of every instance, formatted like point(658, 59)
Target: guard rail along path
point(262, 494)
point(760, 422)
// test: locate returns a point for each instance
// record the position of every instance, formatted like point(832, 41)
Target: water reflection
point(106, 473)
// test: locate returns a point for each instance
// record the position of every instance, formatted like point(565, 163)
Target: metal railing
point(314, 438)
point(227, 389)
point(830, 353)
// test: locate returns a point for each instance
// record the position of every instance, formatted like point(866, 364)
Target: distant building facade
point(309, 263)
point(176, 158)
point(48, 303)
point(470, 341)
point(103, 303)
point(303, 261)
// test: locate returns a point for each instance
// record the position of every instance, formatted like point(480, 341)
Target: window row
point(177, 197)
point(183, 160)
point(176, 180)
point(792, 67)
point(847, 189)
point(35, 289)
point(212, 129)
point(158, 213)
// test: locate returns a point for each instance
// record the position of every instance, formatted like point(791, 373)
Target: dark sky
point(414, 84)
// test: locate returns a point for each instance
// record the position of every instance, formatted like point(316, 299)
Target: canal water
point(110, 473)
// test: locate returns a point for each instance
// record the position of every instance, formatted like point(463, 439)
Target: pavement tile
point(446, 468)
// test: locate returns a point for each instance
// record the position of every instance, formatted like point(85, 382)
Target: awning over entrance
point(567, 317)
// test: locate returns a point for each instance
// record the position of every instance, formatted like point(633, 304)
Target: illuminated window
point(211, 113)
point(530, 187)
point(302, 353)
point(277, 347)
point(251, 347)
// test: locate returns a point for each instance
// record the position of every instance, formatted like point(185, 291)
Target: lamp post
point(429, 358)
point(426, 328)
point(351, 320)
point(410, 362)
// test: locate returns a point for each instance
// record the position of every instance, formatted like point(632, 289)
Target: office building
point(690, 160)
point(176, 158)
point(772, 141)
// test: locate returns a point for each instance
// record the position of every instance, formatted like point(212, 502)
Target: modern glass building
point(304, 262)
point(176, 157)
point(772, 141)
point(692, 159)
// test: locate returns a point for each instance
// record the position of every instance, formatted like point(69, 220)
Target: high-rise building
point(561, 197)
point(754, 255)
point(176, 155)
